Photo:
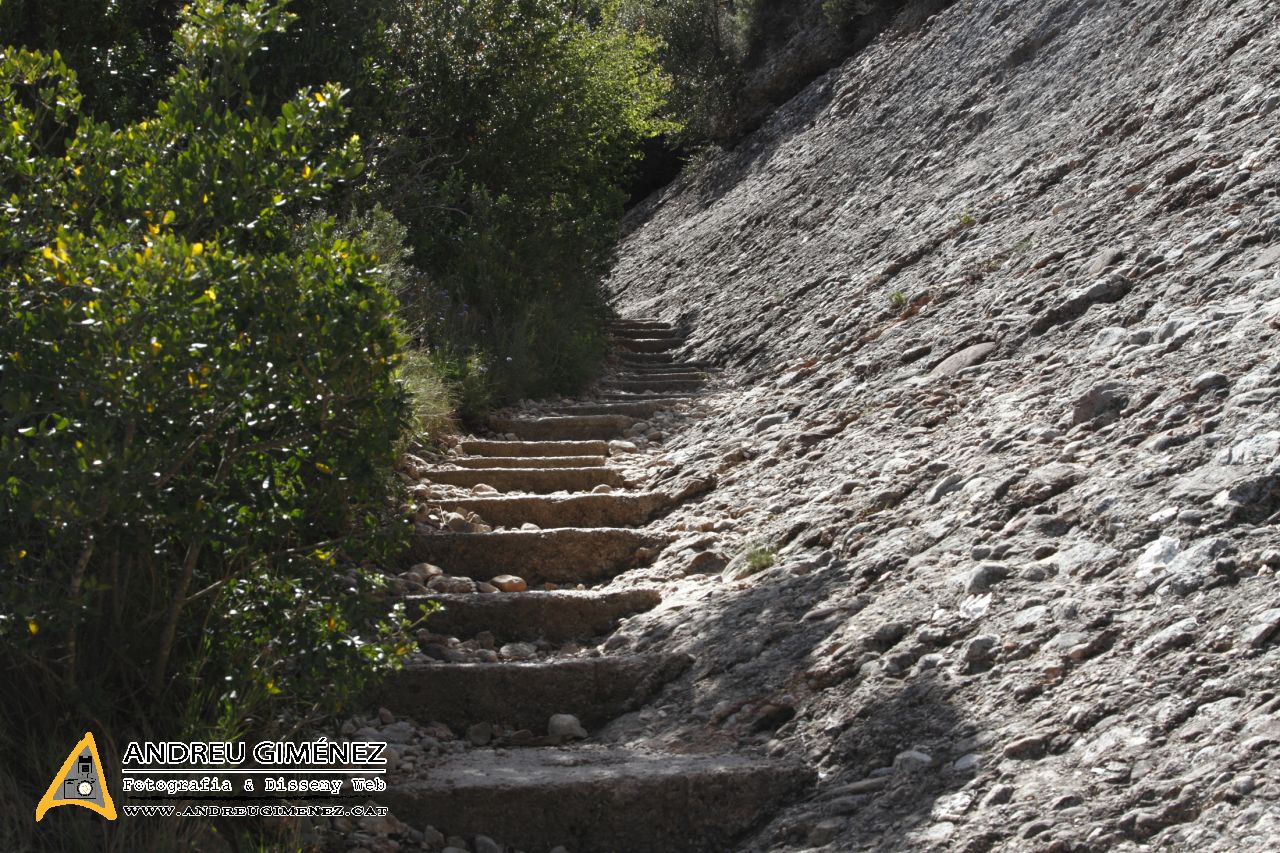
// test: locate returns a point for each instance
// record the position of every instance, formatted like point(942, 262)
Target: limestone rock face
point(997, 306)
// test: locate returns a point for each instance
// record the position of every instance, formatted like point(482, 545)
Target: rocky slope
point(993, 544)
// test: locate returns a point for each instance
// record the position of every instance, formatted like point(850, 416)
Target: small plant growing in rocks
point(898, 299)
point(761, 557)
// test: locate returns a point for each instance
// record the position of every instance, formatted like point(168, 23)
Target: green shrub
point(119, 47)
point(198, 401)
point(845, 14)
point(702, 47)
point(761, 557)
point(514, 126)
point(429, 395)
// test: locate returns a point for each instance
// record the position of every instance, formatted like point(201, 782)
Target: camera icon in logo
point(77, 789)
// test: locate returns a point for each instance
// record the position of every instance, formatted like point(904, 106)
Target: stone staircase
point(585, 525)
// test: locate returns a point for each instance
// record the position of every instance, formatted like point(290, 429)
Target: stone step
point(636, 408)
point(561, 555)
point(537, 480)
point(647, 325)
point(619, 510)
point(640, 370)
point(553, 616)
point(662, 371)
point(639, 360)
point(525, 695)
point(535, 448)
point(528, 461)
point(594, 799)
point(650, 361)
point(629, 338)
point(649, 344)
point(656, 383)
point(623, 396)
point(598, 427)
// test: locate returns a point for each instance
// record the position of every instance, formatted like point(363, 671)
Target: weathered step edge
point(563, 555)
point(477, 447)
point(538, 480)
point(634, 345)
point(483, 462)
point(599, 427)
point(597, 800)
point(526, 695)
point(553, 616)
point(549, 511)
point(633, 408)
point(656, 384)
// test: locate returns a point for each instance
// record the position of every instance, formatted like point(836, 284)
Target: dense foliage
point(731, 63)
point(515, 122)
point(198, 399)
point(203, 377)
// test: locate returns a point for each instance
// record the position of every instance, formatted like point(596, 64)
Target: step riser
point(482, 462)
point(662, 345)
point(658, 372)
point(536, 480)
point(543, 556)
point(557, 617)
point(526, 695)
point(535, 448)
point(654, 385)
point(647, 369)
point(597, 427)
point(682, 805)
point(640, 326)
point(638, 409)
point(642, 342)
point(641, 360)
point(572, 511)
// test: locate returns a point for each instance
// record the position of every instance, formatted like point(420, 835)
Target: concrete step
point(598, 427)
point(553, 616)
point(535, 448)
point(537, 480)
point(649, 344)
point(633, 408)
point(528, 461)
point(560, 555)
point(620, 510)
point(597, 799)
point(525, 695)
point(656, 383)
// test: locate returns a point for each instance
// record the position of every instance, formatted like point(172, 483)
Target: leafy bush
point(513, 128)
point(198, 397)
point(702, 46)
point(119, 47)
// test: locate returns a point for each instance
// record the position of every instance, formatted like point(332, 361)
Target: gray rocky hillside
point(998, 305)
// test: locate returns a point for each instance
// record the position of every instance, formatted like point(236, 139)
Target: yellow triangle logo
point(79, 782)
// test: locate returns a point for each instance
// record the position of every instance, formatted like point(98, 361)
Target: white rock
point(770, 421)
point(565, 725)
point(1157, 556)
point(518, 651)
point(912, 760)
